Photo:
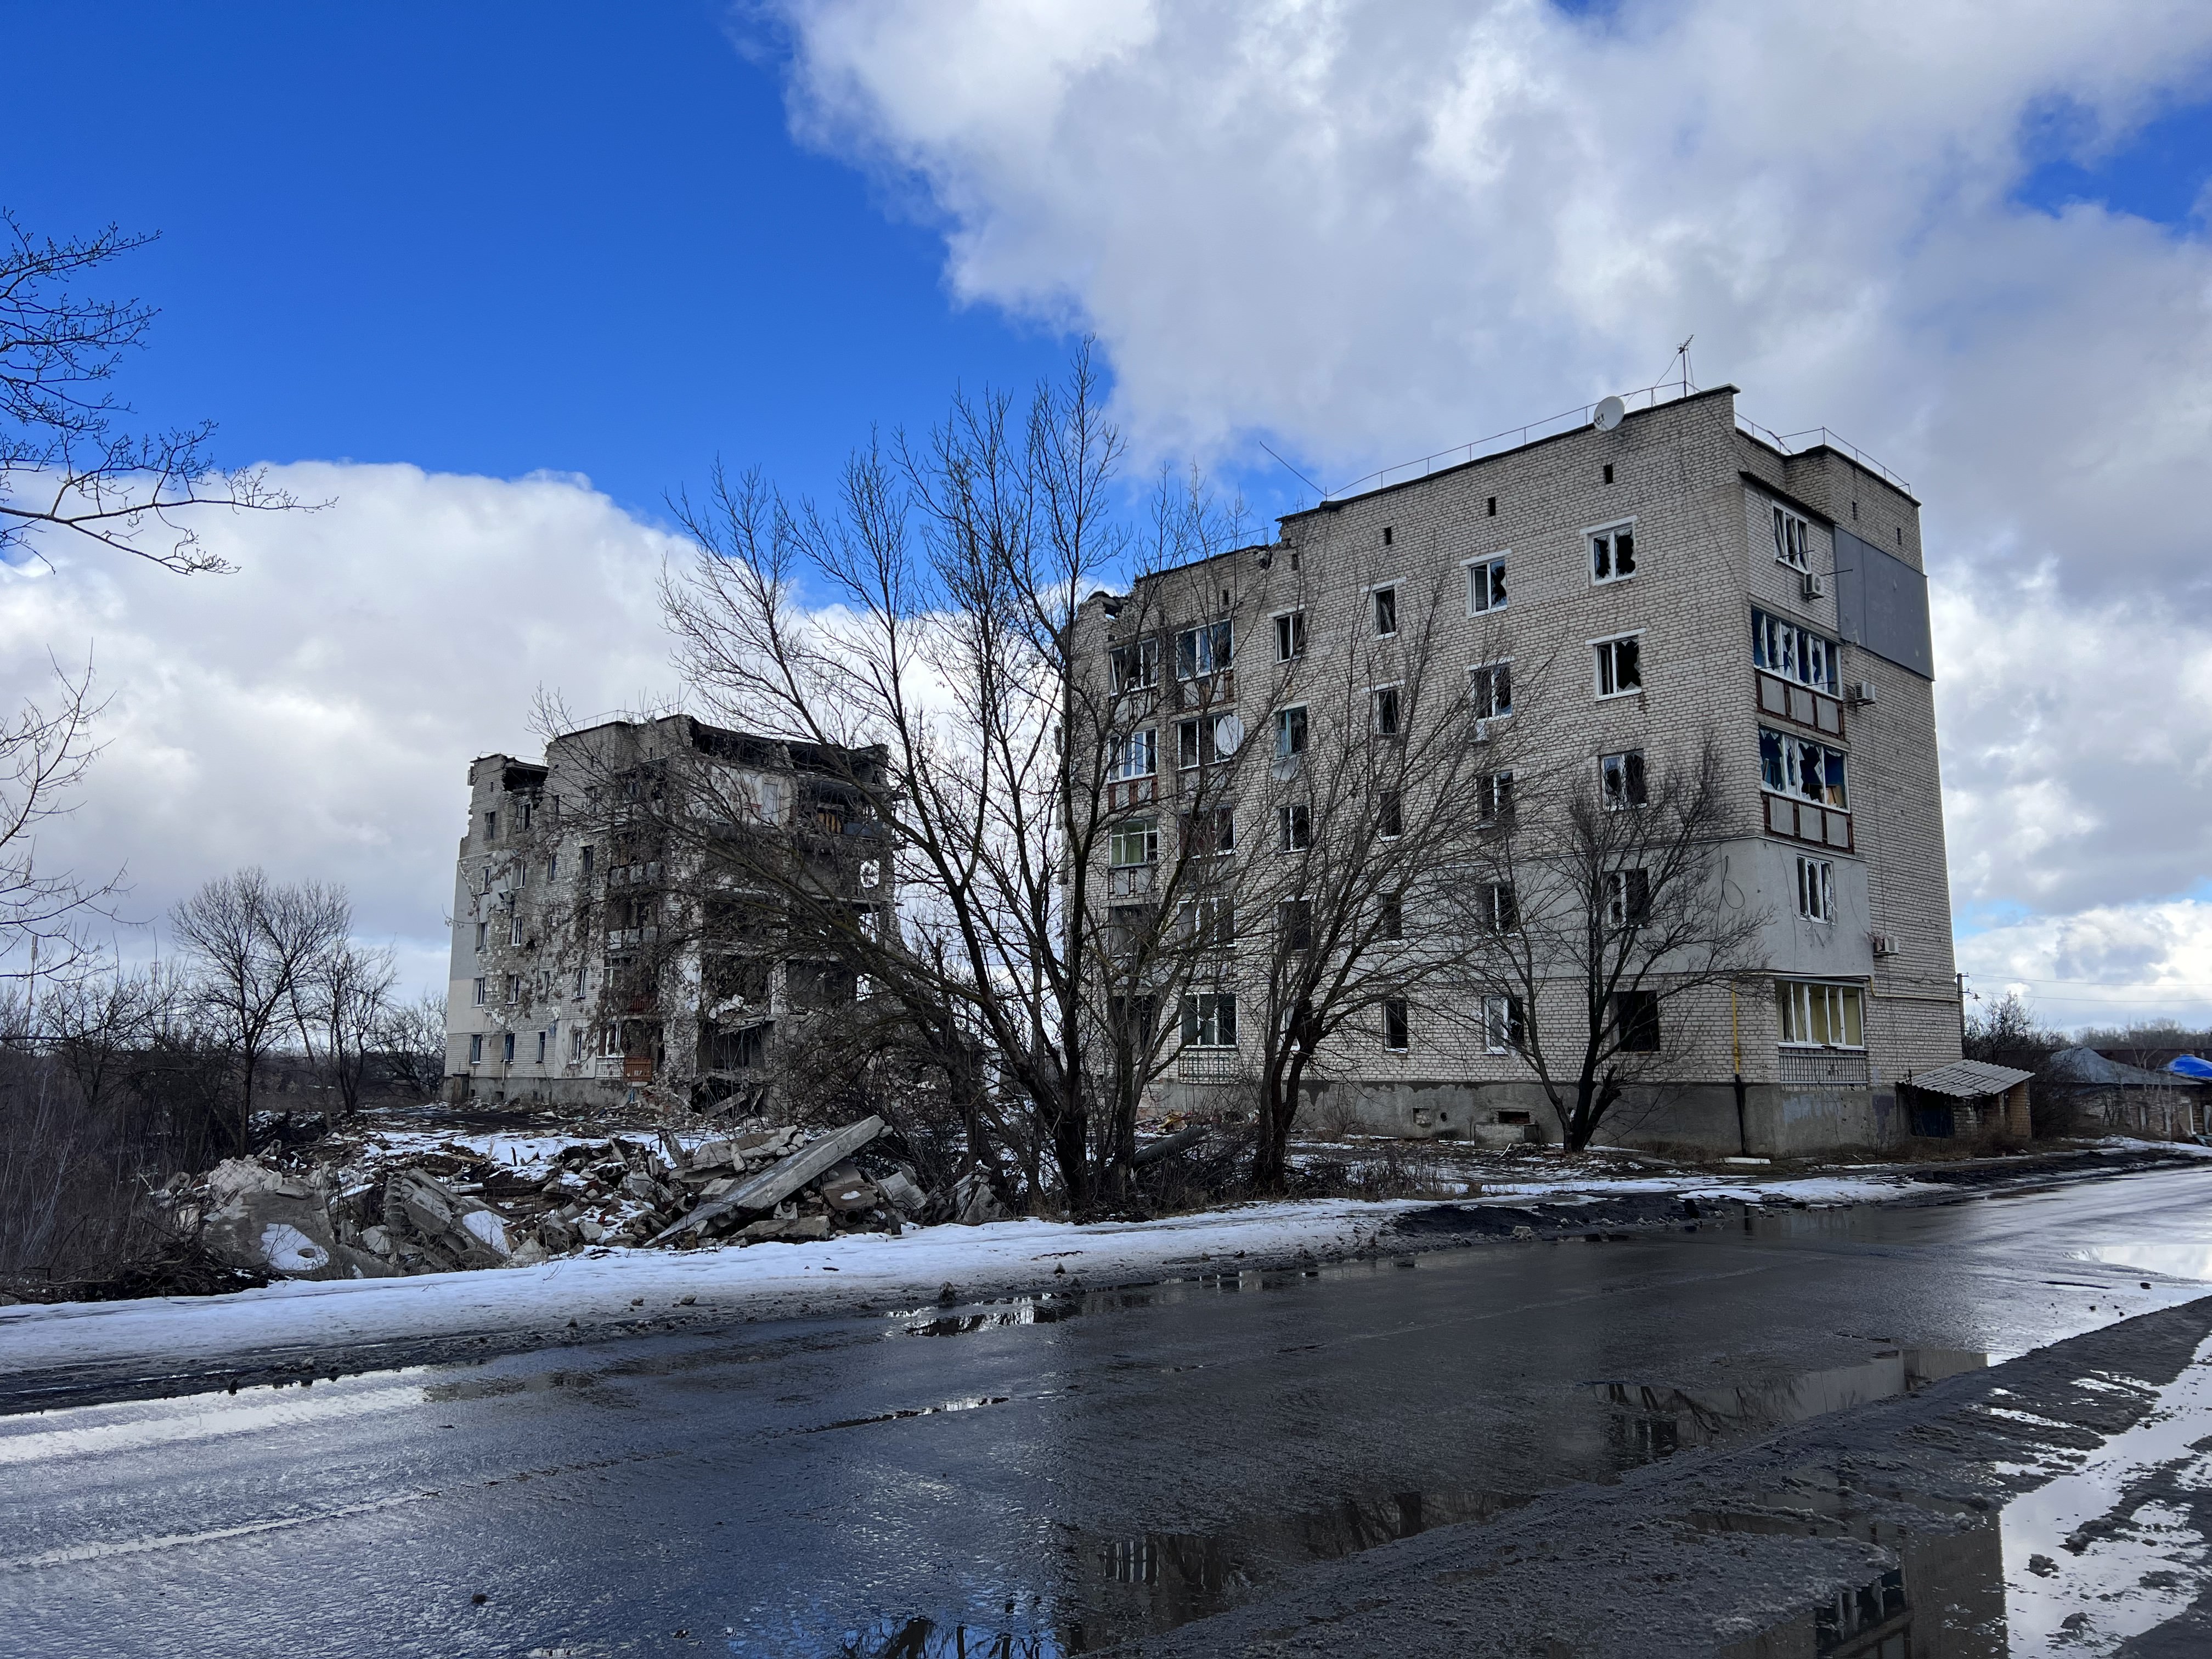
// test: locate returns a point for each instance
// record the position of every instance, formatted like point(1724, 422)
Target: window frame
point(1644, 1017)
point(483, 991)
point(1489, 677)
point(1398, 1024)
point(1504, 1025)
point(1218, 660)
point(1290, 636)
point(1146, 652)
point(1386, 698)
point(1147, 739)
point(476, 1047)
point(1389, 814)
point(1490, 568)
point(1606, 655)
point(1204, 1024)
point(1293, 828)
point(1148, 834)
point(1497, 797)
point(1624, 906)
point(1787, 762)
point(1379, 594)
point(1768, 630)
point(1292, 734)
point(1608, 536)
point(1845, 1004)
point(1633, 766)
point(1208, 831)
point(1787, 519)
point(1816, 890)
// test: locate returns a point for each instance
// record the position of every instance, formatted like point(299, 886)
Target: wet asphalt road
point(1068, 1473)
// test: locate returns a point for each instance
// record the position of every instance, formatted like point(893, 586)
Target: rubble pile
point(455, 1207)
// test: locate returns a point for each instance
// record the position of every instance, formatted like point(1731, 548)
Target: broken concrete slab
point(780, 1181)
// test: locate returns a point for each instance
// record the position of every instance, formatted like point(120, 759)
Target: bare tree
point(937, 668)
point(45, 752)
point(349, 993)
point(1599, 916)
point(64, 464)
point(410, 1042)
point(1372, 788)
point(254, 942)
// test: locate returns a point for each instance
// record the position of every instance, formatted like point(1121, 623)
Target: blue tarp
point(2189, 1066)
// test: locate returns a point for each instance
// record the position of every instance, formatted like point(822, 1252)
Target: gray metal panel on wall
point(1881, 604)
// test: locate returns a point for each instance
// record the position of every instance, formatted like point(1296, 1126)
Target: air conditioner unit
point(1860, 694)
point(1813, 586)
point(1885, 944)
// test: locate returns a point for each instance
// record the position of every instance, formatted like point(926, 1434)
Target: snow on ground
point(187, 1335)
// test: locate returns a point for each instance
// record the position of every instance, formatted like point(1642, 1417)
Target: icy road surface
point(1063, 1472)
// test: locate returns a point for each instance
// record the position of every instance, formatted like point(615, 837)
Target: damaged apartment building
point(1662, 582)
point(613, 935)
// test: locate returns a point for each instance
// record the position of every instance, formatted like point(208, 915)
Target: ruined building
point(612, 934)
point(1651, 583)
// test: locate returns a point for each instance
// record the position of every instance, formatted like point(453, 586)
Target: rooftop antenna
point(1682, 357)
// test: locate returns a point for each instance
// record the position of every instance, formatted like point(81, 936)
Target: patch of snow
point(288, 1250)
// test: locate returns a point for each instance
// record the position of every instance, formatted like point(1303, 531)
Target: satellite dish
point(1606, 415)
point(1228, 734)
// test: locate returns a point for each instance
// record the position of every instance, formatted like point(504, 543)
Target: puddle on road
point(2116, 1546)
point(1112, 1589)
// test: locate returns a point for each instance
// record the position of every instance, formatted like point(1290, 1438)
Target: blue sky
point(493, 239)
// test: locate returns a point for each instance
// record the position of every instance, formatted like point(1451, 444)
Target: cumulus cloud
point(1373, 229)
point(315, 714)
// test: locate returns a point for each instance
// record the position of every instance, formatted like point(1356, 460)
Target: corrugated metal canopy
point(1967, 1080)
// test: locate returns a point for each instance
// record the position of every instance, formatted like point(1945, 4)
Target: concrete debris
point(455, 1208)
point(973, 1203)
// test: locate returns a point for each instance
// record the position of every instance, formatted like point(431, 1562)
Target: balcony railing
point(1800, 704)
point(1808, 821)
point(1845, 1067)
point(1130, 880)
point(1207, 1065)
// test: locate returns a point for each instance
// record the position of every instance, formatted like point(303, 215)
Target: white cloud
point(1379, 227)
point(315, 714)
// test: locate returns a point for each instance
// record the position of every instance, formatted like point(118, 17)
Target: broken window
point(515, 926)
point(481, 986)
point(1496, 907)
point(1797, 766)
point(1623, 778)
point(1294, 923)
point(542, 1036)
point(1795, 654)
point(1210, 833)
point(819, 984)
point(1793, 539)
point(1490, 691)
point(1504, 1031)
point(1293, 828)
point(1386, 612)
point(1636, 1022)
point(1493, 797)
point(1134, 1016)
point(1290, 636)
point(476, 1047)
point(1136, 756)
point(1485, 586)
point(1209, 1020)
point(514, 987)
point(1628, 898)
point(553, 867)
point(1391, 814)
point(1620, 665)
point(1814, 1015)
point(1816, 889)
point(1613, 553)
point(1137, 841)
point(482, 929)
point(1137, 666)
point(585, 863)
point(1209, 921)
point(1385, 702)
point(1396, 1027)
point(1206, 649)
point(578, 992)
point(1290, 733)
point(1391, 916)
point(740, 1051)
point(492, 826)
point(506, 1049)
point(575, 1044)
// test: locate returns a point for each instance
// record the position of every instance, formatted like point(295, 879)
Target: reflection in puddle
point(2178, 1259)
point(1114, 1589)
point(1653, 1420)
point(1944, 1599)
